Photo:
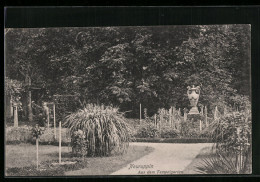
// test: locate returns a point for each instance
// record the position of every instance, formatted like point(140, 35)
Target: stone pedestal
point(194, 110)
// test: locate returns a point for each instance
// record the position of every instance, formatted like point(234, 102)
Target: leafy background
point(124, 66)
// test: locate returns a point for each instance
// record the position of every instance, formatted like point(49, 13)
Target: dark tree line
point(126, 66)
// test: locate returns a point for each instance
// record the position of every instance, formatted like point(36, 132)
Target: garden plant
point(103, 128)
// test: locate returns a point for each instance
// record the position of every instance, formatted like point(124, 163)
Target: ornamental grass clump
point(105, 130)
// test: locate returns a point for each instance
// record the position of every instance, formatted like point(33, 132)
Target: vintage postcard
point(128, 100)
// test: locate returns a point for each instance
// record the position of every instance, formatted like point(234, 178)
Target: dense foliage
point(126, 66)
point(24, 134)
point(102, 129)
point(147, 130)
point(233, 139)
point(167, 132)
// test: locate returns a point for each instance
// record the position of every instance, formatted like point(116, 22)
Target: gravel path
point(166, 159)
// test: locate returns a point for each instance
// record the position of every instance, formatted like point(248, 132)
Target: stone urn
point(193, 95)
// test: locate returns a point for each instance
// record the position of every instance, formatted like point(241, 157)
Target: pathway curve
point(166, 159)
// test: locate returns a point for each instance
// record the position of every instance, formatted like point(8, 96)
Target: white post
point(37, 152)
point(173, 117)
point(185, 116)
point(215, 113)
point(140, 113)
point(48, 118)
point(200, 125)
point(54, 122)
point(155, 120)
point(170, 117)
point(60, 143)
point(206, 117)
point(11, 105)
point(15, 115)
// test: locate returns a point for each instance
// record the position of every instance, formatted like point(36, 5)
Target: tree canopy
point(126, 66)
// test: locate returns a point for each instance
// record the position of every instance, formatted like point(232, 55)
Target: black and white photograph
point(128, 100)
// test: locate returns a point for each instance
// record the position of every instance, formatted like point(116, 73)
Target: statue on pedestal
point(193, 95)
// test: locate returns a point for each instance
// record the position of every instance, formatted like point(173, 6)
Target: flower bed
point(173, 140)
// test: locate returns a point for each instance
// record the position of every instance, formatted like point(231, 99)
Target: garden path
point(166, 159)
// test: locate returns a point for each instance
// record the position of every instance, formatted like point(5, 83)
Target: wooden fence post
point(11, 106)
point(216, 114)
point(170, 117)
point(173, 114)
point(202, 113)
point(155, 123)
point(15, 115)
point(185, 117)
point(60, 143)
point(140, 113)
point(225, 111)
point(160, 123)
point(206, 117)
point(54, 121)
point(179, 114)
point(37, 152)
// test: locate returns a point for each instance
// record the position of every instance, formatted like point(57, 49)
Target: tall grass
point(105, 129)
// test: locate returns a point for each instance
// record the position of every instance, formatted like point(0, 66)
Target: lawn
point(20, 160)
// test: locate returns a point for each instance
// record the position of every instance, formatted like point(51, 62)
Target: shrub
point(188, 129)
point(232, 136)
point(18, 134)
point(185, 127)
point(24, 134)
point(37, 131)
point(104, 127)
point(147, 130)
point(46, 169)
point(222, 163)
point(168, 132)
point(79, 143)
point(173, 140)
point(48, 136)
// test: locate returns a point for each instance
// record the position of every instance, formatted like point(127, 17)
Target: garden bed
point(173, 140)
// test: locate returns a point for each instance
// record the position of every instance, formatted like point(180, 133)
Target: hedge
point(173, 140)
point(16, 135)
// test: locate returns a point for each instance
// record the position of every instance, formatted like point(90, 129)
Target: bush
point(79, 143)
point(45, 169)
point(168, 132)
point(15, 135)
point(232, 136)
point(189, 130)
point(18, 134)
point(173, 140)
point(105, 130)
point(48, 136)
point(147, 130)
